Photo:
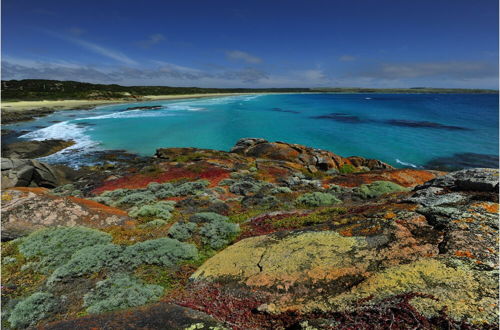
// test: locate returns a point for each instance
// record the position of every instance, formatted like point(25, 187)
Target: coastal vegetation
point(38, 89)
point(270, 235)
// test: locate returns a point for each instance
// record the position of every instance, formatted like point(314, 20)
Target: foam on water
point(407, 164)
point(72, 155)
point(130, 114)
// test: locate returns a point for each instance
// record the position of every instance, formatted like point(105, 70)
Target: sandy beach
point(78, 104)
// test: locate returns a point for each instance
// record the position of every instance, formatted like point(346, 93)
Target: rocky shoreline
point(270, 235)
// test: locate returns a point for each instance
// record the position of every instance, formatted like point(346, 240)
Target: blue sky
point(285, 43)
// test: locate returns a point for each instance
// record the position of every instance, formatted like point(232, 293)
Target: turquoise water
point(401, 129)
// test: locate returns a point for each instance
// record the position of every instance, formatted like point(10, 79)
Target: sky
point(254, 43)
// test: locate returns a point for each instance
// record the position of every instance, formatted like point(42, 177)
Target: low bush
point(316, 199)
point(191, 188)
point(161, 251)
point(281, 190)
point(159, 209)
point(119, 292)
point(89, 260)
point(376, 189)
point(55, 246)
point(137, 198)
point(32, 309)
point(182, 231)
point(153, 223)
point(202, 217)
point(218, 234)
point(347, 168)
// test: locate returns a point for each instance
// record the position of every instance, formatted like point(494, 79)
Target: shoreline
point(57, 105)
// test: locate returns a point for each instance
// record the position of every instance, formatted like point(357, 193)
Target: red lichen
point(136, 181)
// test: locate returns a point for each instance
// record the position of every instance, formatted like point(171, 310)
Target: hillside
point(37, 89)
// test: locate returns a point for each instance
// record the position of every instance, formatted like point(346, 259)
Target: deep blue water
point(395, 128)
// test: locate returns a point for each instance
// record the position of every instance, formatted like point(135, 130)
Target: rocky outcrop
point(25, 210)
point(157, 316)
point(312, 159)
point(24, 115)
point(437, 248)
point(34, 149)
point(146, 107)
point(29, 173)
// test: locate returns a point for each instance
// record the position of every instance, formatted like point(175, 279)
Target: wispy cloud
point(163, 73)
point(115, 55)
point(451, 69)
point(347, 58)
point(76, 31)
point(239, 55)
point(152, 40)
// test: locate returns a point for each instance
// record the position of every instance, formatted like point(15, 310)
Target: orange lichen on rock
point(488, 206)
point(95, 206)
point(404, 177)
point(466, 253)
point(35, 190)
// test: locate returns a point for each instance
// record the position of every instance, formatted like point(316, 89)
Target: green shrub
point(159, 209)
point(153, 223)
point(89, 260)
point(55, 246)
point(218, 234)
point(119, 292)
point(226, 182)
point(32, 309)
point(376, 189)
point(281, 190)
point(347, 168)
point(66, 190)
point(137, 198)
point(315, 199)
point(207, 217)
point(182, 231)
point(161, 251)
point(191, 188)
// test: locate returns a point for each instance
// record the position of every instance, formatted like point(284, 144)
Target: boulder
point(477, 179)
point(310, 158)
point(29, 173)
point(25, 210)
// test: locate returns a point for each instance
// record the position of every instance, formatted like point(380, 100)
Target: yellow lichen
point(302, 257)
point(466, 293)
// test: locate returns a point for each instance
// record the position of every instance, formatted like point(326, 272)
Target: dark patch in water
point(341, 117)
point(423, 124)
point(284, 110)
point(146, 107)
point(463, 160)
point(84, 124)
point(55, 121)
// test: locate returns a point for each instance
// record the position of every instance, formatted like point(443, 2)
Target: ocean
point(404, 130)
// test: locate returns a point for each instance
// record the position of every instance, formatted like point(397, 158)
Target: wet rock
point(9, 117)
point(34, 149)
point(25, 210)
point(147, 107)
